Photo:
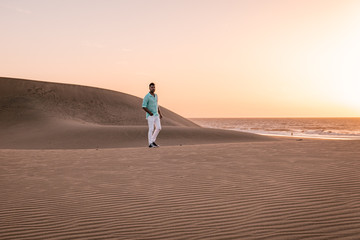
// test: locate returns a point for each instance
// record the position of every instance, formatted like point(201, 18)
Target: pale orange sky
point(250, 58)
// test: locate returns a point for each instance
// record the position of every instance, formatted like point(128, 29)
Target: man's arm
point(159, 107)
point(144, 104)
point(159, 113)
point(148, 111)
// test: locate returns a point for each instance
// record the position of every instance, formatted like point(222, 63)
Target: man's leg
point(151, 128)
point(157, 128)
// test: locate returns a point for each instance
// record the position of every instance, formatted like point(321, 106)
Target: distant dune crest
point(35, 99)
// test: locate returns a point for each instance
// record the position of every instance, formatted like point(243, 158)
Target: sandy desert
point(75, 165)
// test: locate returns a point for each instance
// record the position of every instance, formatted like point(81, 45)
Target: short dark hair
point(152, 84)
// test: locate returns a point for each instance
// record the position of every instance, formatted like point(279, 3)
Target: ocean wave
point(336, 128)
point(305, 134)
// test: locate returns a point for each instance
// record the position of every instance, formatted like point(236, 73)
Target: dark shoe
point(152, 145)
point(155, 144)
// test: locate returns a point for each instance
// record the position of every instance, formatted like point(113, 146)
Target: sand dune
point(86, 176)
point(30, 101)
point(264, 190)
point(43, 115)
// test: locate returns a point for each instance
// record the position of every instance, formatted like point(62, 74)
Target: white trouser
point(153, 121)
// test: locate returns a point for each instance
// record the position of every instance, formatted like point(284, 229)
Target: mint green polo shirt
point(151, 103)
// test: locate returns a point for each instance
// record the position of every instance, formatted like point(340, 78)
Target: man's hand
point(148, 111)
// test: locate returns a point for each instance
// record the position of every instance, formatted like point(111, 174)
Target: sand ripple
point(272, 190)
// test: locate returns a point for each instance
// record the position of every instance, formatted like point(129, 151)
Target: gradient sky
point(244, 58)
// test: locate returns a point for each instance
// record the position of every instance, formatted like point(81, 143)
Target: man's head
point(152, 87)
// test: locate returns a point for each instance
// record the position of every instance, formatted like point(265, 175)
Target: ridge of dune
point(44, 115)
point(30, 101)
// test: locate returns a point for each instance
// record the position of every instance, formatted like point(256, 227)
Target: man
point(153, 115)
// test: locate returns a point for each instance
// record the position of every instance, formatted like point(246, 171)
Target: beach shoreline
point(322, 128)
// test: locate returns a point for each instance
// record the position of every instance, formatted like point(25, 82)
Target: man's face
point(152, 88)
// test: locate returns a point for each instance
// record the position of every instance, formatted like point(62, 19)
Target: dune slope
point(43, 115)
point(28, 101)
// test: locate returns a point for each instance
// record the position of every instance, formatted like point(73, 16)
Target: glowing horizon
point(208, 58)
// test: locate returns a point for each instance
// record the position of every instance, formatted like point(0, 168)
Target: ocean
point(325, 128)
